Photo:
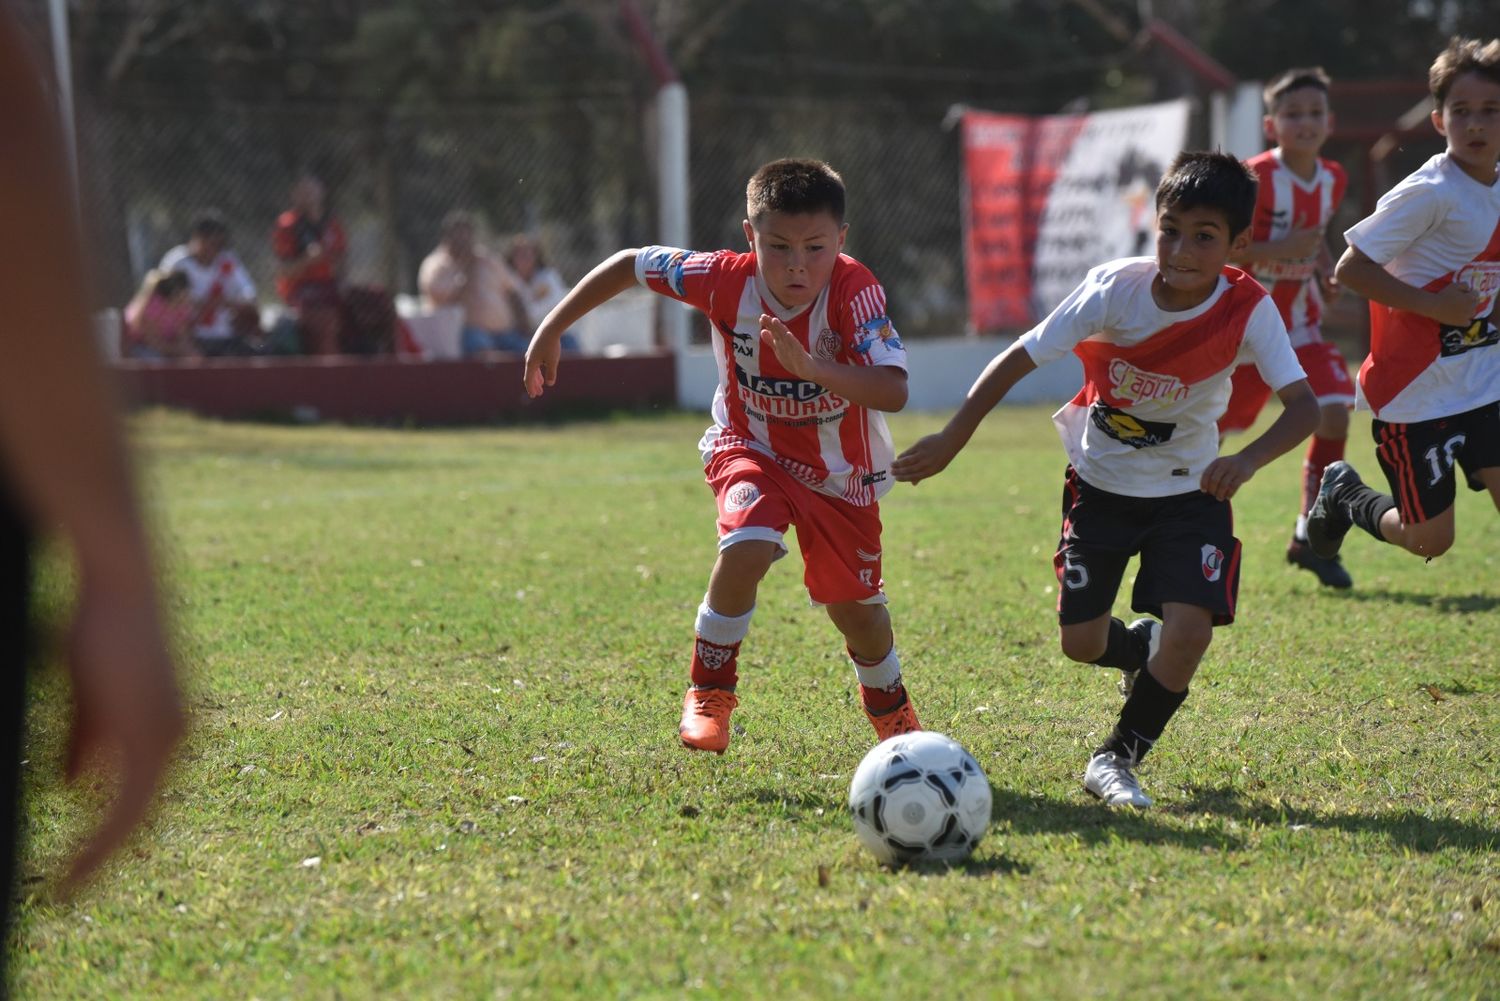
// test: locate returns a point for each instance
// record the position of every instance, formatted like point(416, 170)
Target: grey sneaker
point(1330, 573)
point(1109, 777)
point(1328, 521)
point(1150, 629)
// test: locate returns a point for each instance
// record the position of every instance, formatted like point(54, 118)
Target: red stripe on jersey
point(1190, 351)
point(1402, 343)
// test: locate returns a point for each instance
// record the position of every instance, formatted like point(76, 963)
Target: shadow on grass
point(1405, 828)
point(1460, 603)
point(983, 867)
point(1093, 822)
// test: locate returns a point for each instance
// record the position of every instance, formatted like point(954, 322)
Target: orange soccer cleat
point(705, 719)
point(902, 719)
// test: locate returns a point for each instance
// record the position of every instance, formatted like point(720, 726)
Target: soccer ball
point(919, 797)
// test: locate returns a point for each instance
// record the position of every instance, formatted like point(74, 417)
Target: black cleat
point(1328, 521)
point(1330, 573)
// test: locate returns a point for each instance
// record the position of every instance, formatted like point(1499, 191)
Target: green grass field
point(435, 679)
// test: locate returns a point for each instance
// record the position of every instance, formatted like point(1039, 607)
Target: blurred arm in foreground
point(63, 457)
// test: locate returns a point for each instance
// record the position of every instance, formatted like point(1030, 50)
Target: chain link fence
point(577, 174)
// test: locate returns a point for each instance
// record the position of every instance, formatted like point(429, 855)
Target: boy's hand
point(792, 355)
point(541, 363)
point(1225, 475)
point(928, 457)
point(1456, 305)
point(1330, 287)
point(1302, 242)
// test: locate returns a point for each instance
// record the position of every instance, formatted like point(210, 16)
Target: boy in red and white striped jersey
point(808, 360)
point(1298, 194)
point(1158, 338)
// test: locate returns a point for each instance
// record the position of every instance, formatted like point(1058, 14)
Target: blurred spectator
point(220, 288)
point(159, 319)
point(463, 272)
point(310, 244)
point(541, 287)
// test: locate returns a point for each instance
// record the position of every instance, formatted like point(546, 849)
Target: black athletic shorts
point(1186, 543)
point(15, 591)
point(1418, 459)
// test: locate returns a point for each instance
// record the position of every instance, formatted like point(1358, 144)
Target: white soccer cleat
point(1151, 630)
point(1109, 777)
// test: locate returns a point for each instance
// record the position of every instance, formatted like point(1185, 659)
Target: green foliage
point(435, 678)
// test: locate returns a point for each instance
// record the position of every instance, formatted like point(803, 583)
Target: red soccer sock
point(1321, 453)
point(715, 665)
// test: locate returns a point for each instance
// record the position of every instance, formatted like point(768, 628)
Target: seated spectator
point(541, 286)
point(463, 272)
point(227, 322)
point(158, 321)
point(309, 243)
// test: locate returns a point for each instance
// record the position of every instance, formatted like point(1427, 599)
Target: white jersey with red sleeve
point(834, 446)
point(1285, 202)
point(1154, 381)
point(1437, 226)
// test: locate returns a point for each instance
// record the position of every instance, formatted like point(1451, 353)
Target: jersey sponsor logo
point(827, 345)
point(874, 331)
point(1482, 278)
point(1286, 271)
point(1135, 385)
point(740, 496)
point(1132, 431)
point(785, 389)
point(1454, 341)
point(869, 479)
point(1213, 562)
point(744, 344)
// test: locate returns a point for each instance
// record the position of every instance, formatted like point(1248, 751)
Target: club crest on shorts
point(740, 496)
point(1213, 562)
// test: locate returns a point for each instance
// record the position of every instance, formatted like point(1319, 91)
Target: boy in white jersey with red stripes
point(1429, 262)
point(1159, 339)
point(1298, 194)
point(807, 362)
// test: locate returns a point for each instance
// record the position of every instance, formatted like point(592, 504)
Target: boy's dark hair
point(1294, 79)
point(1210, 180)
point(209, 223)
point(795, 187)
point(170, 284)
point(1463, 55)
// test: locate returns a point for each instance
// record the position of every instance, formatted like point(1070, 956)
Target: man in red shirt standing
point(310, 244)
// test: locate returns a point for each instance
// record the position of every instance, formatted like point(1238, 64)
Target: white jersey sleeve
point(1081, 314)
point(1403, 216)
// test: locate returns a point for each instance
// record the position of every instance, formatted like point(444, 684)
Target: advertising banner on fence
point(1048, 198)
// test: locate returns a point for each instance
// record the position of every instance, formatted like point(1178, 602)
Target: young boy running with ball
point(1159, 338)
point(1429, 262)
point(807, 362)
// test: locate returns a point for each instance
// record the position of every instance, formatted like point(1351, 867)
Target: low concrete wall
point(389, 390)
point(939, 374)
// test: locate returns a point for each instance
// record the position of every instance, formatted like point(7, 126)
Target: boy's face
point(1192, 247)
point(1470, 120)
point(1300, 121)
point(796, 253)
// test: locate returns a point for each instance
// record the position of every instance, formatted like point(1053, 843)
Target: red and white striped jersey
point(1283, 203)
point(1155, 381)
point(1437, 226)
point(834, 446)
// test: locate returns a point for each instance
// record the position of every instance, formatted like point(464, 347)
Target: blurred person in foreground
point(461, 271)
point(63, 464)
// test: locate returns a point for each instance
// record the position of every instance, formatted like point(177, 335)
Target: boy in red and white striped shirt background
point(807, 361)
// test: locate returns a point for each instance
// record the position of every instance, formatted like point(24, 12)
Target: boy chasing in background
point(807, 362)
point(1158, 339)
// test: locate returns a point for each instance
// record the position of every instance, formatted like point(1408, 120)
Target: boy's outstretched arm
point(607, 280)
point(876, 387)
point(931, 455)
point(1453, 305)
point(1299, 418)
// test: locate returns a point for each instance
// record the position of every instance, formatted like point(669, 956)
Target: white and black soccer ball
point(919, 797)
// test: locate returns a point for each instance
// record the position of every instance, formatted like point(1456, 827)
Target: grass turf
point(435, 678)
